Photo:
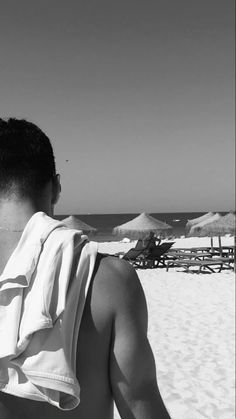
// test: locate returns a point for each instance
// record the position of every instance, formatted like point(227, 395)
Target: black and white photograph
point(117, 209)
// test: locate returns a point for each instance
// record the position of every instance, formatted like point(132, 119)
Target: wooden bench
point(188, 255)
point(191, 249)
point(219, 263)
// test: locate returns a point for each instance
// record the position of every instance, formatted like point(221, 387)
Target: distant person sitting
point(73, 322)
point(158, 240)
point(151, 241)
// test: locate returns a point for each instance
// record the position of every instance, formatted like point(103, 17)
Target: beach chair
point(211, 264)
point(139, 245)
point(132, 253)
point(158, 255)
point(135, 256)
point(145, 258)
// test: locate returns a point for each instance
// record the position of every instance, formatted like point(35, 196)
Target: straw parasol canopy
point(215, 226)
point(197, 230)
point(198, 220)
point(140, 226)
point(220, 227)
point(75, 223)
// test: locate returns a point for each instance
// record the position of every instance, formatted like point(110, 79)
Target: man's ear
point(56, 189)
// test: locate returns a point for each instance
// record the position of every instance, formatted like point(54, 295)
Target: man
point(114, 361)
point(150, 241)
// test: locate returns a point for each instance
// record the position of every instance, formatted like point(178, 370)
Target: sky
point(137, 98)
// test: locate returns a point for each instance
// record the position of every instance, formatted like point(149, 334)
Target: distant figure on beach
point(151, 241)
point(73, 322)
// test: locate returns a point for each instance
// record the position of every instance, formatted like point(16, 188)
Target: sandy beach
point(191, 331)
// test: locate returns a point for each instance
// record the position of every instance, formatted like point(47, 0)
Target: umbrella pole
point(220, 247)
point(212, 249)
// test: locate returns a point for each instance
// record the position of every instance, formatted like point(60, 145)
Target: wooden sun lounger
point(135, 257)
point(144, 258)
point(193, 250)
point(188, 255)
point(230, 248)
point(219, 263)
point(226, 251)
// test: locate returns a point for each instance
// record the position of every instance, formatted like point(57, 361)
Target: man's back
point(114, 361)
point(92, 368)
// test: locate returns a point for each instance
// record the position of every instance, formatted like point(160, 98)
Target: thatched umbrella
point(194, 221)
point(224, 225)
point(215, 226)
point(140, 226)
point(196, 229)
point(75, 223)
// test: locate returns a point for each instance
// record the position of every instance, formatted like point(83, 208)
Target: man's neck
point(15, 214)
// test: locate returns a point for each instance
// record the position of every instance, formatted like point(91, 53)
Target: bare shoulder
point(118, 269)
point(117, 285)
point(116, 274)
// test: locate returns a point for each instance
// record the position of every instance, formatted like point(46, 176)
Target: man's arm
point(132, 365)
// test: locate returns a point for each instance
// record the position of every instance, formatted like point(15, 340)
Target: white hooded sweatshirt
point(43, 290)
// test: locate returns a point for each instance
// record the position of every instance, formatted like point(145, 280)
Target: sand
point(191, 331)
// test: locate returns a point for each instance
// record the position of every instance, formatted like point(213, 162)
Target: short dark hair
point(26, 158)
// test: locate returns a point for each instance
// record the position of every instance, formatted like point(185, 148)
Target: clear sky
point(136, 96)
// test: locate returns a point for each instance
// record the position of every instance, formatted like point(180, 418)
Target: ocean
point(106, 222)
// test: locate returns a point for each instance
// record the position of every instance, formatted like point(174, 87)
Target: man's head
point(27, 165)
